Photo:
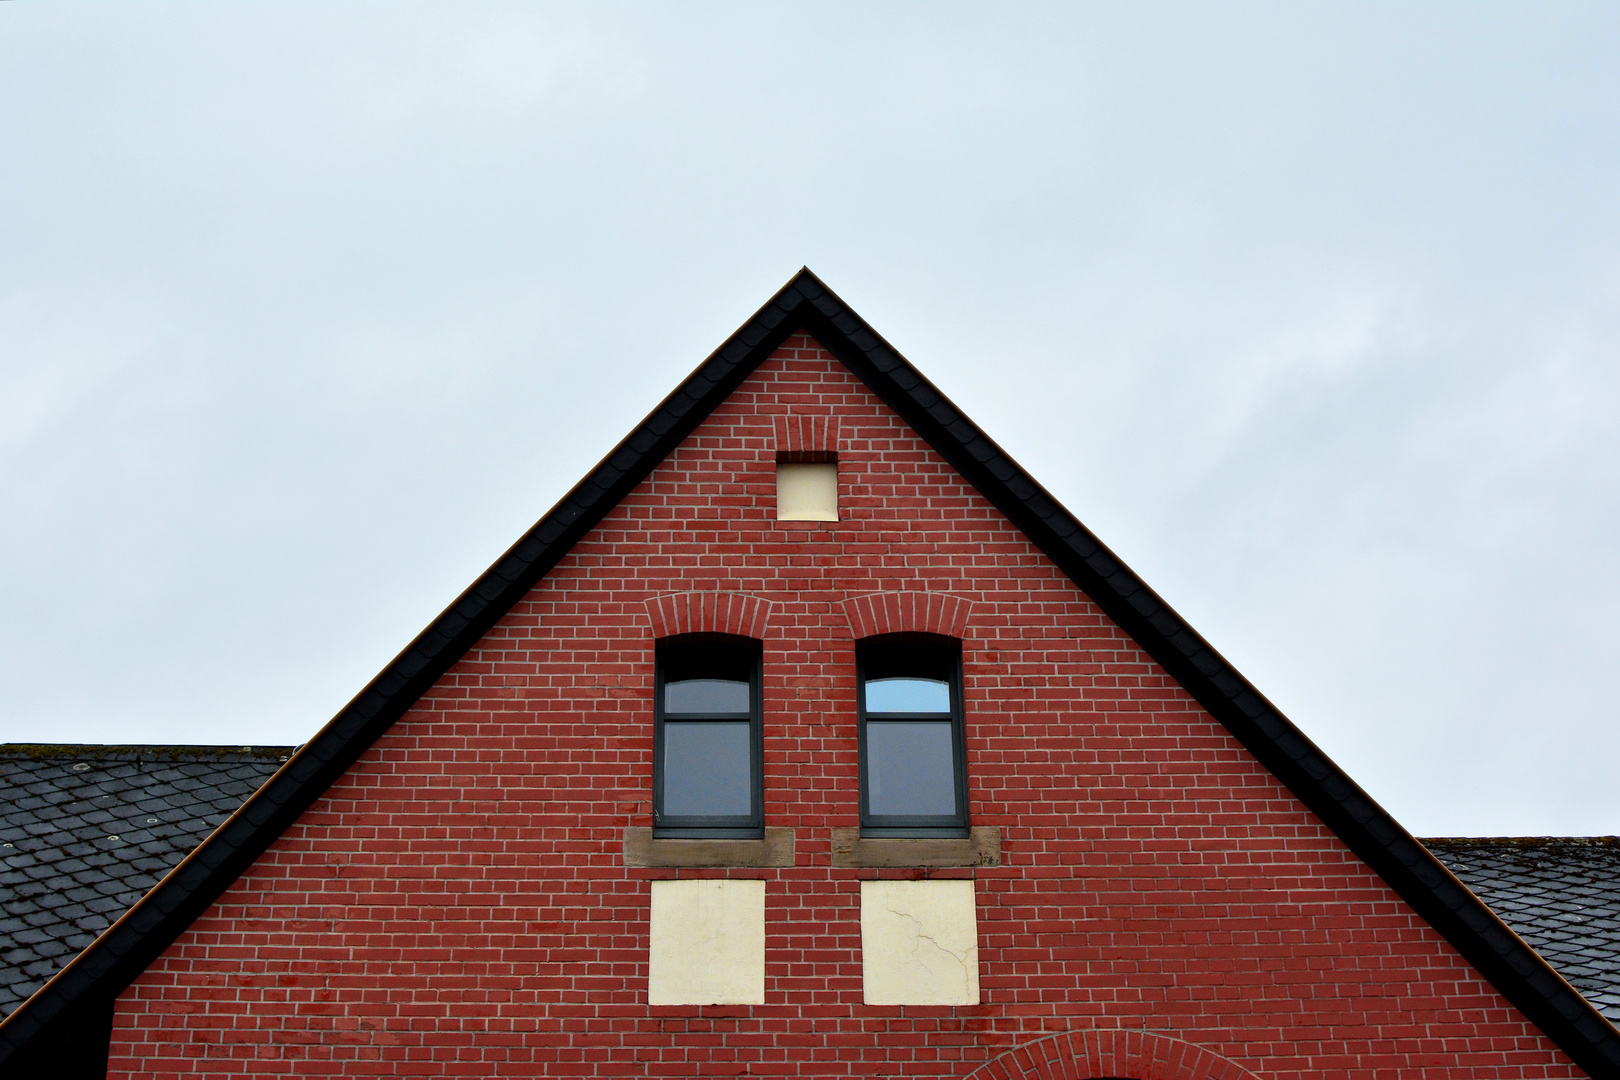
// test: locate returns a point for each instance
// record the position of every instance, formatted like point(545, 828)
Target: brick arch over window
point(1128, 1055)
point(913, 612)
point(709, 613)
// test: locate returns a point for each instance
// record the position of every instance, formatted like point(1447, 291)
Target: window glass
point(707, 738)
point(708, 657)
point(910, 769)
point(908, 695)
point(706, 696)
point(913, 778)
point(708, 769)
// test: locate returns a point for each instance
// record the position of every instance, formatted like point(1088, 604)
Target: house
point(808, 736)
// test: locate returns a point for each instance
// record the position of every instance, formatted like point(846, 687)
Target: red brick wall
point(456, 905)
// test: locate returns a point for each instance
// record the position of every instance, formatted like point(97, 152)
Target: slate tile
point(64, 880)
point(1561, 894)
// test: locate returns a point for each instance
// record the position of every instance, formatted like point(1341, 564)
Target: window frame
point(900, 826)
point(728, 826)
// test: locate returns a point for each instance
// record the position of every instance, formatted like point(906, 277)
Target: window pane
point(705, 696)
point(908, 695)
point(706, 769)
point(909, 768)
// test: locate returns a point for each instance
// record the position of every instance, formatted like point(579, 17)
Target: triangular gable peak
point(815, 320)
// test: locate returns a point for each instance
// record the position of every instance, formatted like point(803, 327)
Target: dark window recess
point(913, 765)
point(706, 738)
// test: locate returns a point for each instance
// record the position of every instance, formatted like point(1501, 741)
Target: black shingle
point(1560, 894)
point(62, 879)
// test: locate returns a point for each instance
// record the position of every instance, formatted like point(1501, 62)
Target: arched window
point(913, 765)
point(706, 738)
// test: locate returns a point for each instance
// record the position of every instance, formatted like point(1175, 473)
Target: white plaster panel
point(708, 943)
point(919, 943)
point(807, 492)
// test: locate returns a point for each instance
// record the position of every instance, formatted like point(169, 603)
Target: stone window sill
point(640, 849)
point(981, 847)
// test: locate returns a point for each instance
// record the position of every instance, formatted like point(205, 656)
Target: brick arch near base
point(1116, 1055)
point(709, 613)
point(907, 612)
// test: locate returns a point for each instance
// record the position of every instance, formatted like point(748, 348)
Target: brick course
point(456, 904)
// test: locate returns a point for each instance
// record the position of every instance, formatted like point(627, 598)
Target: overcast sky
point(1311, 312)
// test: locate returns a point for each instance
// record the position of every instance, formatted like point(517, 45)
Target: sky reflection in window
point(908, 696)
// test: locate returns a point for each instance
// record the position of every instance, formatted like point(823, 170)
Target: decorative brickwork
point(913, 612)
point(806, 437)
point(1139, 1055)
point(458, 904)
point(709, 612)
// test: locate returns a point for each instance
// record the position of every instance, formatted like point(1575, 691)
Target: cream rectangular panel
point(919, 943)
point(807, 492)
point(708, 943)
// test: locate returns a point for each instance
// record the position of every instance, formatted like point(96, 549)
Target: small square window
point(913, 772)
point(706, 738)
point(807, 491)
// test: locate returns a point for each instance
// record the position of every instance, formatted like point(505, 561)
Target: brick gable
point(456, 903)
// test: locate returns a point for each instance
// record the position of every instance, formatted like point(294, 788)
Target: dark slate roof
point(85, 831)
point(1561, 894)
point(96, 976)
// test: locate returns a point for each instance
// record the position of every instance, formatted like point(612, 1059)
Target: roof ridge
point(114, 750)
point(1605, 840)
